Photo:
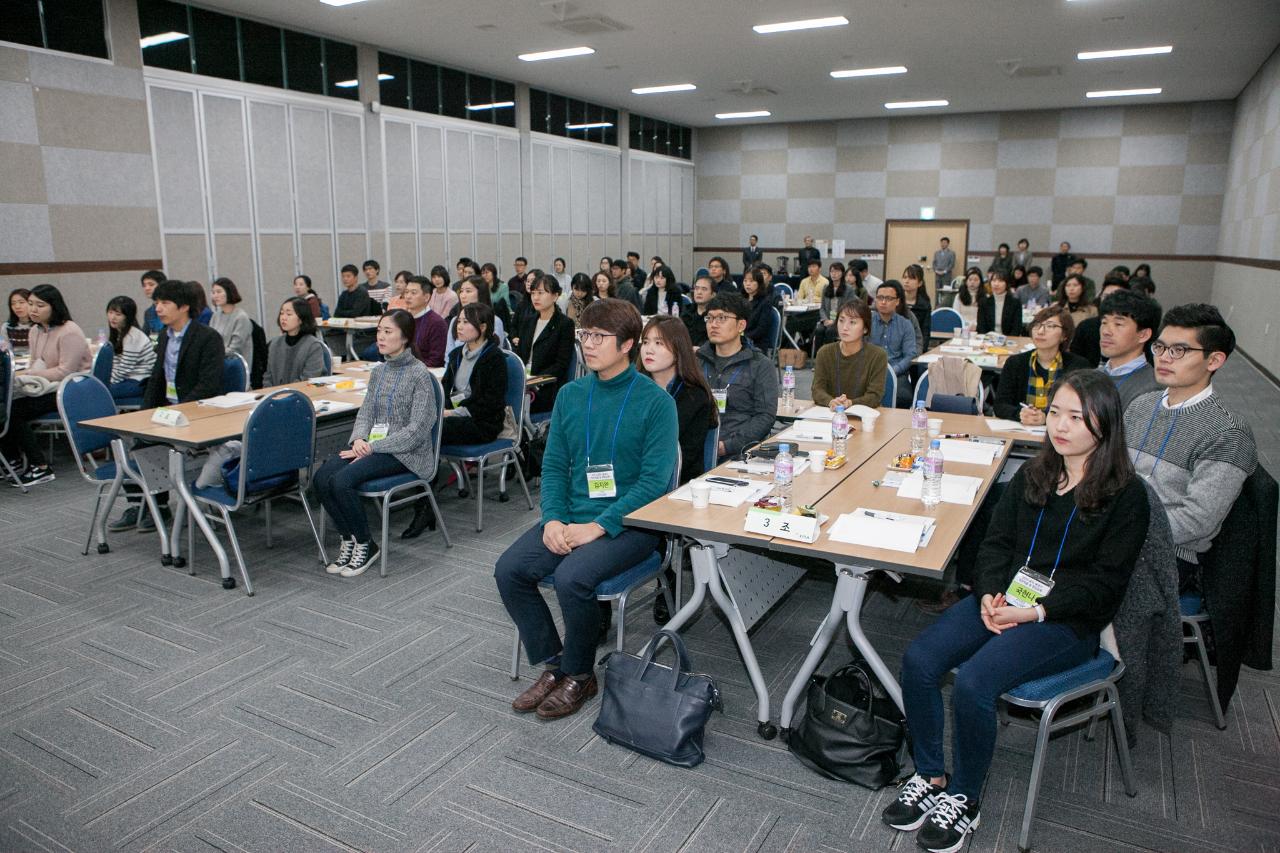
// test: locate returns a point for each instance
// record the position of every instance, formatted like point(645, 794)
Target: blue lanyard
point(1151, 423)
point(1061, 545)
point(590, 396)
point(676, 386)
point(707, 371)
point(391, 399)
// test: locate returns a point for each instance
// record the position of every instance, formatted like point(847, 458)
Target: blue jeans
point(126, 388)
point(989, 664)
point(577, 574)
point(337, 482)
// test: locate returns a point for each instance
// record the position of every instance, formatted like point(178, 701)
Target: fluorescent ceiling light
point(811, 24)
point(496, 105)
point(870, 72)
point(911, 105)
point(746, 114)
point(590, 125)
point(658, 90)
point(927, 212)
point(340, 2)
point(1122, 93)
point(556, 54)
point(351, 84)
point(1127, 51)
point(161, 38)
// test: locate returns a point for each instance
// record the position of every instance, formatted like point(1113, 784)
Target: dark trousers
point(127, 388)
point(337, 482)
point(577, 574)
point(21, 438)
point(989, 664)
point(463, 429)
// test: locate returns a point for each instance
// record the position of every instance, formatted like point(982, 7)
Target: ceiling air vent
point(748, 88)
point(589, 25)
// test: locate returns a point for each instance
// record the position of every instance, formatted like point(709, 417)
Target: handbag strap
point(682, 654)
point(856, 667)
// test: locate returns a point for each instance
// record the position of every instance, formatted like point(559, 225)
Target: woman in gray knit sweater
point(297, 354)
point(392, 435)
point(230, 320)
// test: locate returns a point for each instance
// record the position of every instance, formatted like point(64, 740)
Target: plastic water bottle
point(931, 493)
point(839, 431)
point(102, 337)
point(784, 470)
point(919, 429)
point(788, 388)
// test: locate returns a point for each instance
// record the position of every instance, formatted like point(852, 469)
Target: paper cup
point(701, 491)
point(337, 361)
point(817, 461)
point(935, 427)
point(869, 421)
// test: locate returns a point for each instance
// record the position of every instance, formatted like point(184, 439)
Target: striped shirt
point(136, 358)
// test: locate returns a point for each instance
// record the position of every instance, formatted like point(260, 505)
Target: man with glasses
point(1183, 439)
point(611, 449)
point(895, 334)
point(694, 314)
point(743, 380)
point(1128, 322)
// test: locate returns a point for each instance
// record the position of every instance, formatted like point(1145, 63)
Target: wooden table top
point(1013, 346)
point(361, 323)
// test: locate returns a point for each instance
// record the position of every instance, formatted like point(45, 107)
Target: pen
point(1023, 406)
point(955, 435)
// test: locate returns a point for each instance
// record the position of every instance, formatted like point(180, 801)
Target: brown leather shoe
point(532, 698)
point(567, 697)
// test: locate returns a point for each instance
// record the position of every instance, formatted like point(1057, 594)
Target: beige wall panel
point(1084, 210)
point(719, 139)
point(1200, 210)
point(13, 66)
point(976, 210)
point(486, 248)
point(317, 262)
point(99, 122)
point(763, 210)
point(83, 233)
point(1102, 151)
point(582, 249)
point(717, 187)
point(1238, 291)
point(353, 249)
point(862, 158)
point(863, 209)
point(915, 129)
point(1156, 239)
point(435, 251)
point(186, 257)
point(1030, 124)
point(717, 235)
point(542, 248)
point(968, 155)
point(21, 174)
point(913, 184)
point(795, 234)
point(810, 186)
point(1210, 148)
point(1012, 182)
point(235, 261)
point(460, 245)
point(1156, 119)
point(764, 162)
point(1150, 180)
point(275, 253)
point(812, 135)
point(404, 255)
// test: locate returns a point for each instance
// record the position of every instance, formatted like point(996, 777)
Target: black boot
point(661, 615)
point(423, 519)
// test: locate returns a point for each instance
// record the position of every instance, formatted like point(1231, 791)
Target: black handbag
point(851, 730)
point(656, 710)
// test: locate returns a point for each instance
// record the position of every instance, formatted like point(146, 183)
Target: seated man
point(354, 301)
point(895, 334)
point(694, 314)
point(1087, 340)
point(429, 329)
point(743, 381)
point(811, 286)
point(611, 449)
point(1128, 323)
point(1183, 440)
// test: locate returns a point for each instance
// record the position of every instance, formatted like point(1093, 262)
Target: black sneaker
point(916, 799)
point(127, 521)
point(148, 523)
point(36, 475)
point(363, 556)
point(950, 823)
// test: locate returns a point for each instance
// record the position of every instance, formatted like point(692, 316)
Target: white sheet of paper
point(765, 467)
point(731, 496)
point(970, 452)
point(329, 407)
point(927, 359)
point(859, 528)
point(815, 413)
point(810, 432)
point(231, 400)
point(1001, 425)
point(956, 488)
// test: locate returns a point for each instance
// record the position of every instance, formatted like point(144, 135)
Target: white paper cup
point(935, 427)
point(701, 491)
point(869, 422)
point(817, 461)
point(337, 361)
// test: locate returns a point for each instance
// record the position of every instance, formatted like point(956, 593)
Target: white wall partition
point(576, 202)
point(660, 214)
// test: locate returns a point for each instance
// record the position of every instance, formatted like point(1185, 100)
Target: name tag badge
point(171, 392)
point(1027, 588)
point(600, 482)
point(379, 432)
point(456, 400)
point(721, 396)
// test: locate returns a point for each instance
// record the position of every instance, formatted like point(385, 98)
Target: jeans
point(126, 388)
point(337, 482)
point(577, 574)
point(989, 664)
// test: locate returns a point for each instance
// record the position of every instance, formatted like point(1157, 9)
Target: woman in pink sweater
point(58, 349)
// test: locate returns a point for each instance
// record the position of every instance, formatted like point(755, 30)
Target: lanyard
point(707, 371)
point(590, 395)
point(1061, 545)
point(1051, 372)
point(391, 399)
point(1151, 422)
point(676, 386)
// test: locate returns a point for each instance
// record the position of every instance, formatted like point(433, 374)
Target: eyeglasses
point(716, 319)
point(880, 298)
point(1046, 327)
point(1175, 351)
point(593, 338)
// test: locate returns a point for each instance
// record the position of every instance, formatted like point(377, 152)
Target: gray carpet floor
point(145, 708)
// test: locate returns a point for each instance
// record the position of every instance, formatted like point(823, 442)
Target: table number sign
point(169, 417)
point(767, 522)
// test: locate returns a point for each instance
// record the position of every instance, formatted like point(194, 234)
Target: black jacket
point(1012, 314)
point(356, 303)
point(656, 298)
point(694, 410)
point(808, 253)
point(488, 386)
point(199, 372)
point(551, 353)
point(1012, 388)
point(923, 309)
point(1087, 340)
point(696, 324)
point(761, 327)
point(751, 256)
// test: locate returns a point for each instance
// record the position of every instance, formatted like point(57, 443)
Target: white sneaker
point(362, 557)
point(344, 557)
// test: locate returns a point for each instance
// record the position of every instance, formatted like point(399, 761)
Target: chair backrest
point(324, 311)
point(103, 361)
point(259, 367)
point(574, 360)
point(685, 300)
point(776, 337)
point(579, 362)
point(515, 385)
point(945, 320)
point(235, 374)
point(702, 272)
point(953, 404)
point(890, 398)
point(781, 288)
point(279, 438)
point(6, 388)
point(81, 397)
point(328, 359)
point(922, 389)
point(711, 448)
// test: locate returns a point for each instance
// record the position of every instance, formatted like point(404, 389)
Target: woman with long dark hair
point(17, 328)
point(1071, 296)
point(916, 300)
point(303, 290)
point(297, 354)
point(1052, 572)
point(472, 291)
point(761, 327)
point(581, 294)
point(544, 339)
point(603, 284)
point(133, 354)
point(972, 292)
point(662, 294)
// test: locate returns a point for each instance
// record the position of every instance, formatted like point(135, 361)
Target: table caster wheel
point(228, 583)
point(768, 731)
point(179, 562)
point(166, 560)
point(464, 493)
point(104, 548)
point(503, 497)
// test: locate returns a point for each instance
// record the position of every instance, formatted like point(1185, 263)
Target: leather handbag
point(851, 730)
point(656, 710)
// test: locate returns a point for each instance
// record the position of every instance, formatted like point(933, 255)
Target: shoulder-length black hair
point(228, 287)
point(1108, 470)
point(129, 309)
point(404, 323)
point(963, 294)
point(675, 335)
point(49, 294)
point(480, 315)
point(439, 270)
point(306, 279)
point(17, 291)
point(303, 309)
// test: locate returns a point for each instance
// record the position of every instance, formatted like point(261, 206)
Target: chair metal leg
point(235, 547)
point(1219, 718)
point(515, 656)
point(435, 507)
point(515, 460)
point(386, 523)
point(266, 512)
point(1037, 770)
point(93, 525)
point(318, 534)
point(1122, 741)
point(12, 474)
point(480, 495)
point(622, 620)
point(1093, 720)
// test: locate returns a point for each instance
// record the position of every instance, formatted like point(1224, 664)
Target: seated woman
point(231, 321)
point(667, 357)
point(397, 290)
point(499, 293)
point(1000, 312)
point(443, 298)
point(1022, 393)
point(834, 295)
point(1052, 572)
point(605, 288)
point(392, 435)
point(917, 302)
point(303, 290)
point(1071, 297)
point(762, 325)
point(850, 372)
point(581, 295)
point(475, 380)
point(971, 294)
point(663, 294)
point(18, 327)
point(133, 354)
point(58, 349)
point(472, 291)
point(544, 341)
point(297, 355)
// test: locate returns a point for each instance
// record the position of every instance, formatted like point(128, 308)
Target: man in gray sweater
point(743, 380)
point(1184, 440)
point(1128, 322)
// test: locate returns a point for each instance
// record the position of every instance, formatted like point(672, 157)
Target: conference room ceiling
point(980, 55)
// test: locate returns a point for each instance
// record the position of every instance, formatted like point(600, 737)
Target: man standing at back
point(809, 253)
point(944, 264)
point(1058, 264)
point(753, 254)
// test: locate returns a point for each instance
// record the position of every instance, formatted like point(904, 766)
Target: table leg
point(351, 344)
point(855, 592)
point(817, 651)
point(177, 474)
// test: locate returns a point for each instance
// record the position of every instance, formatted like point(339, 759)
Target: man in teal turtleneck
point(611, 450)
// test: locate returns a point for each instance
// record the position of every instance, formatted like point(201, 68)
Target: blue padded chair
point(685, 300)
point(505, 451)
point(952, 404)
point(6, 400)
point(328, 361)
point(1049, 695)
point(702, 273)
point(324, 311)
point(103, 361)
point(1194, 618)
point(279, 445)
point(235, 374)
point(945, 320)
point(619, 587)
point(782, 288)
point(385, 489)
point(890, 398)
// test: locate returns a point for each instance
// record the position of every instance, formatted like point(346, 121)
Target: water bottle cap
point(935, 445)
point(784, 448)
point(790, 368)
point(839, 408)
